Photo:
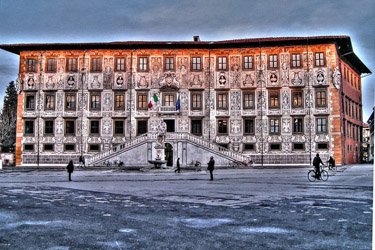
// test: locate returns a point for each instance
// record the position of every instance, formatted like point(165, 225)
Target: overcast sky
point(45, 21)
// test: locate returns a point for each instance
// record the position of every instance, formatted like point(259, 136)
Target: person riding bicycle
point(316, 162)
point(331, 162)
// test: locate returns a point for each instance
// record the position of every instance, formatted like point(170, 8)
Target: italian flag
point(153, 101)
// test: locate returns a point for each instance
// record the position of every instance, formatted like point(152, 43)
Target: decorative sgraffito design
point(95, 82)
point(209, 103)
point(235, 126)
point(286, 145)
point(296, 78)
point(184, 101)
point(142, 81)
point(308, 60)
point(261, 126)
point(182, 70)
point(108, 102)
point(209, 71)
point(248, 80)
point(183, 124)
point(322, 138)
point(169, 79)
point(286, 125)
point(71, 81)
point(336, 78)
point(120, 81)
point(154, 125)
point(156, 70)
point(195, 81)
point(285, 99)
point(308, 99)
point(261, 100)
point(108, 77)
point(284, 63)
point(107, 127)
point(235, 71)
point(235, 100)
point(298, 138)
point(50, 82)
point(30, 82)
point(59, 101)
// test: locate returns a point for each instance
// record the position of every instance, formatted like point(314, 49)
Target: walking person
point(82, 162)
point(211, 166)
point(316, 162)
point(70, 169)
point(178, 169)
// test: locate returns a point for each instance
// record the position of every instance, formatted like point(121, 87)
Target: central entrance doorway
point(170, 125)
point(169, 154)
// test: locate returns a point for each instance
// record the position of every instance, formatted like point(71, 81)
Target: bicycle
point(311, 175)
point(332, 167)
point(196, 165)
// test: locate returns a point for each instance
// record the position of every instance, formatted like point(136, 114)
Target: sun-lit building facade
point(278, 101)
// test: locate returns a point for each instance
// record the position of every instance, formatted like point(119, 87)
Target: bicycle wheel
point(324, 175)
point(311, 175)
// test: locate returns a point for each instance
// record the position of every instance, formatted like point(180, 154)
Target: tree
point(8, 118)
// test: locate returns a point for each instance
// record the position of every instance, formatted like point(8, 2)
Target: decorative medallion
point(336, 77)
point(71, 81)
point(222, 79)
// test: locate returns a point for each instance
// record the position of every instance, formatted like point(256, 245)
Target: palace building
point(277, 101)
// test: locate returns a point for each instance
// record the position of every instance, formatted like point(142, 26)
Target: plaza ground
point(160, 209)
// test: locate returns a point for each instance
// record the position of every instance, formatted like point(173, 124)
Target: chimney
point(196, 39)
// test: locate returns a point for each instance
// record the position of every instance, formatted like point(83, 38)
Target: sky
point(74, 21)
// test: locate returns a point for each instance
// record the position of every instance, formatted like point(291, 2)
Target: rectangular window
point(222, 126)
point(29, 127)
point(275, 146)
point(28, 147)
point(141, 101)
point(48, 147)
point(72, 65)
point(222, 100)
point(96, 64)
point(143, 64)
point(274, 125)
point(248, 100)
point(48, 127)
point(321, 97)
point(30, 102)
point(49, 102)
point(296, 60)
point(94, 127)
point(95, 101)
point(169, 100)
point(297, 98)
point(51, 65)
point(120, 64)
point(249, 124)
point(142, 127)
point(69, 147)
point(249, 146)
point(274, 101)
point(169, 63)
point(196, 63)
point(298, 146)
point(322, 146)
point(94, 147)
point(119, 101)
point(31, 65)
point(119, 127)
point(222, 63)
point(70, 127)
point(272, 61)
point(70, 101)
point(321, 125)
point(298, 125)
point(248, 62)
point(196, 127)
point(196, 101)
point(319, 59)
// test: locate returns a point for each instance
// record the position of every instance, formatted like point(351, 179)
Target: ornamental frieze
point(298, 138)
point(322, 138)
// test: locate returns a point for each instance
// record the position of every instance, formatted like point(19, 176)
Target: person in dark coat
point(316, 162)
point(70, 169)
point(82, 161)
point(211, 166)
point(331, 162)
point(178, 169)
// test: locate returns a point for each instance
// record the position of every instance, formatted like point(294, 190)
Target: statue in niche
point(120, 80)
point(30, 83)
point(222, 79)
point(95, 83)
point(249, 81)
point(71, 81)
point(107, 77)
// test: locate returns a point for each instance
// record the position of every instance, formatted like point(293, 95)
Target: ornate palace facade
point(276, 100)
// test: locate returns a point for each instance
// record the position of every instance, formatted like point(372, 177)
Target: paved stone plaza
point(159, 209)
